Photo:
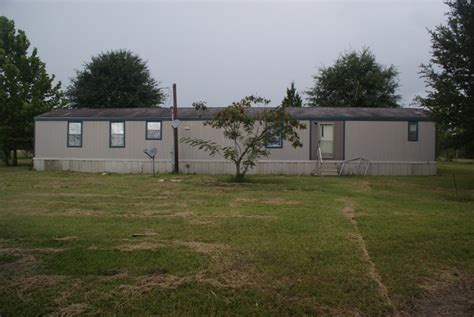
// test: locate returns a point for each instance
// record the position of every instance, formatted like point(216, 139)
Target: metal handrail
point(320, 159)
point(359, 159)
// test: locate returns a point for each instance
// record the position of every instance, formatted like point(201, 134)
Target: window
point(74, 134)
point(412, 131)
point(153, 130)
point(275, 143)
point(117, 134)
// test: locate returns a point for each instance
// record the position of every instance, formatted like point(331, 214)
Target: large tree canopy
point(115, 79)
point(450, 77)
point(355, 80)
point(26, 90)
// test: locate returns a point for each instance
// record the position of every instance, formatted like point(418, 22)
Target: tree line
point(121, 78)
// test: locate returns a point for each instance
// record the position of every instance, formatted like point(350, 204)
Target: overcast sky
point(220, 51)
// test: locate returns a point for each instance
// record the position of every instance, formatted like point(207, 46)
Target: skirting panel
point(225, 167)
point(390, 168)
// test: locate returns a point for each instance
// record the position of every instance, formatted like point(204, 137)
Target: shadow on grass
point(22, 163)
point(251, 180)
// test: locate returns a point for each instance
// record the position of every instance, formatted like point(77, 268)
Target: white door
point(326, 140)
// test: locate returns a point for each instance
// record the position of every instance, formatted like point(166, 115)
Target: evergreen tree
point(292, 98)
point(115, 79)
point(355, 80)
point(450, 77)
point(26, 90)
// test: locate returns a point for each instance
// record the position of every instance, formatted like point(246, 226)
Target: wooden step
point(329, 169)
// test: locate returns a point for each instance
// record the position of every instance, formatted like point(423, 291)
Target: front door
point(326, 140)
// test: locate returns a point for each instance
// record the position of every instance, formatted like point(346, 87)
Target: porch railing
point(320, 159)
point(360, 160)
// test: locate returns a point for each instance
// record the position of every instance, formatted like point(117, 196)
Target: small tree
point(116, 79)
point(292, 98)
point(450, 77)
point(26, 90)
point(355, 80)
point(248, 132)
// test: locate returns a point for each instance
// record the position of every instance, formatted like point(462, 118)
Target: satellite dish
point(151, 152)
point(175, 123)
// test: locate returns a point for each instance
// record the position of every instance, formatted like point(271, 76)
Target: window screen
point(412, 131)
point(117, 134)
point(276, 142)
point(74, 134)
point(153, 130)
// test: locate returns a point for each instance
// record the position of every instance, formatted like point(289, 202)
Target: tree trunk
point(238, 174)
point(6, 157)
point(15, 156)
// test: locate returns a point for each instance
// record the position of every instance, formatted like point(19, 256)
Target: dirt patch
point(272, 202)
point(25, 263)
point(79, 195)
point(350, 214)
point(278, 202)
point(199, 222)
point(182, 214)
point(77, 212)
point(47, 250)
point(25, 284)
point(450, 294)
point(150, 282)
point(73, 310)
point(25, 260)
point(203, 247)
point(68, 238)
point(244, 216)
point(197, 246)
point(231, 273)
point(30, 250)
point(143, 234)
point(116, 277)
point(145, 245)
point(225, 273)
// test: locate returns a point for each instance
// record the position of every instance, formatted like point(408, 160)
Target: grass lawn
point(74, 243)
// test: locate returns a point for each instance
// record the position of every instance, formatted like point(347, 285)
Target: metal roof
point(108, 113)
point(302, 113)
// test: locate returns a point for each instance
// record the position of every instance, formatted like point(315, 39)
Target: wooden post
point(175, 131)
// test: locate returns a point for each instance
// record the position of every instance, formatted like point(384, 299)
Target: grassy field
point(90, 244)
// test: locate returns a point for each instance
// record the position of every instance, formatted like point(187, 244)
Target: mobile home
point(336, 141)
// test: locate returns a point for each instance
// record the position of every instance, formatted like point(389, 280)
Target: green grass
point(274, 245)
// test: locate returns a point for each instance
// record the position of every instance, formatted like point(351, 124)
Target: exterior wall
point(384, 143)
point(388, 141)
point(196, 129)
point(51, 141)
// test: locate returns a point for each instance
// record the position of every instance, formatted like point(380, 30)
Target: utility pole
point(175, 130)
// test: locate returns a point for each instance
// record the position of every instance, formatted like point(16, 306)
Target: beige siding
point(197, 130)
point(51, 141)
point(376, 141)
point(388, 141)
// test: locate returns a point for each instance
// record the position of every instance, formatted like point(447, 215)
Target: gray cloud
point(221, 51)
